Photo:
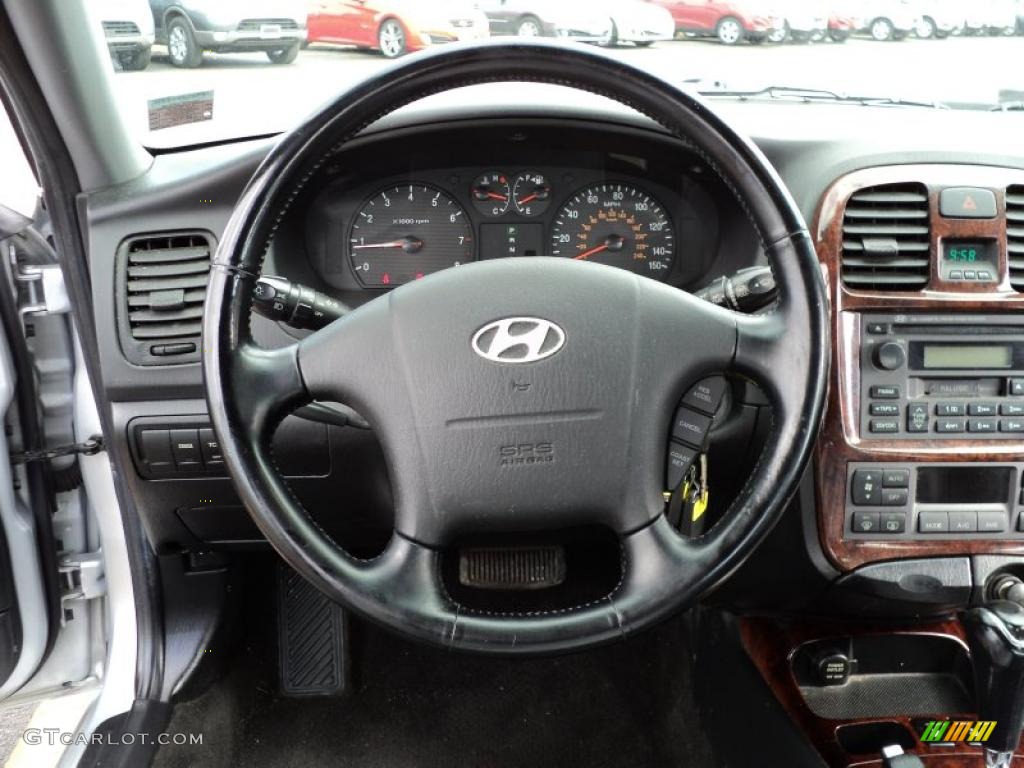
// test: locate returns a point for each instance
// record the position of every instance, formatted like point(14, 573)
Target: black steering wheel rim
point(249, 389)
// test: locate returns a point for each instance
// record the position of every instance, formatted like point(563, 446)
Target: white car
point(993, 17)
point(639, 23)
point(939, 18)
point(804, 21)
point(886, 19)
point(128, 31)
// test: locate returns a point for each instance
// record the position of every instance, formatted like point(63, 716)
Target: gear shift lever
point(995, 634)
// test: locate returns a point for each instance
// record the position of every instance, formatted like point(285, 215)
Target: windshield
point(192, 71)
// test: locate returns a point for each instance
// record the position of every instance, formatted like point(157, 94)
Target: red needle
point(592, 251)
point(527, 199)
point(496, 196)
point(391, 244)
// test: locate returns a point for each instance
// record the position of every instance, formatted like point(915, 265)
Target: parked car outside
point(394, 27)
point(841, 25)
point(535, 18)
point(885, 19)
point(802, 21)
point(128, 31)
point(939, 18)
point(637, 22)
point(731, 21)
point(190, 28)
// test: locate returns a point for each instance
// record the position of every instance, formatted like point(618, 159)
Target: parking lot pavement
point(251, 96)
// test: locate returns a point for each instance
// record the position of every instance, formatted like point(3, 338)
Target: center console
point(922, 449)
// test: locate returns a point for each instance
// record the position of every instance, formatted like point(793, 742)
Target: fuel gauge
point(531, 194)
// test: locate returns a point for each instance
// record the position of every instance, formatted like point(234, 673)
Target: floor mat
point(625, 705)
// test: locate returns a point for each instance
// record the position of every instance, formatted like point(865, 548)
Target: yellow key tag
point(700, 506)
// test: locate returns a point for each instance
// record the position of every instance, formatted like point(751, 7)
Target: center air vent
point(1015, 235)
point(161, 290)
point(886, 238)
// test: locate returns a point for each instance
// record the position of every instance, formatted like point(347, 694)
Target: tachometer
point(618, 225)
point(407, 232)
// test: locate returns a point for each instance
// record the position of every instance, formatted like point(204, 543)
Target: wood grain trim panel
point(840, 441)
point(771, 643)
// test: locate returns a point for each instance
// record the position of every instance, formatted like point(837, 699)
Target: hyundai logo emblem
point(518, 340)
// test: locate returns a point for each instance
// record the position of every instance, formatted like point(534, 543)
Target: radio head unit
point(935, 377)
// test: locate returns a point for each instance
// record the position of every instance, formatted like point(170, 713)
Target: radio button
point(885, 392)
point(981, 425)
point(982, 409)
point(1015, 386)
point(884, 426)
point(893, 522)
point(992, 522)
point(950, 409)
point(882, 328)
point(1012, 409)
point(917, 417)
point(1011, 425)
point(885, 409)
point(894, 497)
point(890, 356)
point(963, 522)
point(933, 522)
point(867, 487)
point(895, 478)
point(865, 522)
point(949, 425)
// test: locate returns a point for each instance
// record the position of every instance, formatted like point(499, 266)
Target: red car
point(840, 27)
point(731, 21)
point(394, 27)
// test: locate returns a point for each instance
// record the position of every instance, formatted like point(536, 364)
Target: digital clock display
point(966, 253)
point(962, 253)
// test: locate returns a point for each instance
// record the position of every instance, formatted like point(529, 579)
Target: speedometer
point(618, 225)
point(407, 232)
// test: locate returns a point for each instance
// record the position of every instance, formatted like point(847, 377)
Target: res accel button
point(705, 395)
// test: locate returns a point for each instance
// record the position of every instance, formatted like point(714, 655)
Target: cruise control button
point(950, 409)
point(885, 392)
point(933, 522)
point(185, 447)
point(981, 425)
point(865, 522)
point(893, 522)
point(867, 487)
point(895, 478)
point(949, 425)
point(884, 426)
point(680, 459)
point(963, 522)
point(981, 409)
point(992, 522)
point(894, 497)
point(706, 395)
point(691, 427)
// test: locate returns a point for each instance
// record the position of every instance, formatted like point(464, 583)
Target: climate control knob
point(890, 356)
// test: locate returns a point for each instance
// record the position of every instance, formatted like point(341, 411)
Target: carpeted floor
point(409, 706)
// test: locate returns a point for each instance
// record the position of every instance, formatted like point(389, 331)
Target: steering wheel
point(603, 380)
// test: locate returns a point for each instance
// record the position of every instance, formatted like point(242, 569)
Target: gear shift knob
point(995, 634)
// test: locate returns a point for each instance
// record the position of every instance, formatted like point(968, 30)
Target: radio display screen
point(976, 356)
point(963, 485)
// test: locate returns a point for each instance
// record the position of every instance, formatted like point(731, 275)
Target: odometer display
point(618, 225)
point(407, 232)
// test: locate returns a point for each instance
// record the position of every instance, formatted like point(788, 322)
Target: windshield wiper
point(811, 95)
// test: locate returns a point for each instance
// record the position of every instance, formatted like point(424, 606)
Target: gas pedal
point(312, 639)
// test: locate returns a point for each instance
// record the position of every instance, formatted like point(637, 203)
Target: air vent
point(886, 238)
point(161, 289)
point(1015, 235)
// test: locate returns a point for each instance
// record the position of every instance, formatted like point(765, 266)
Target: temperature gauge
point(490, 193)
point(531, 193)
